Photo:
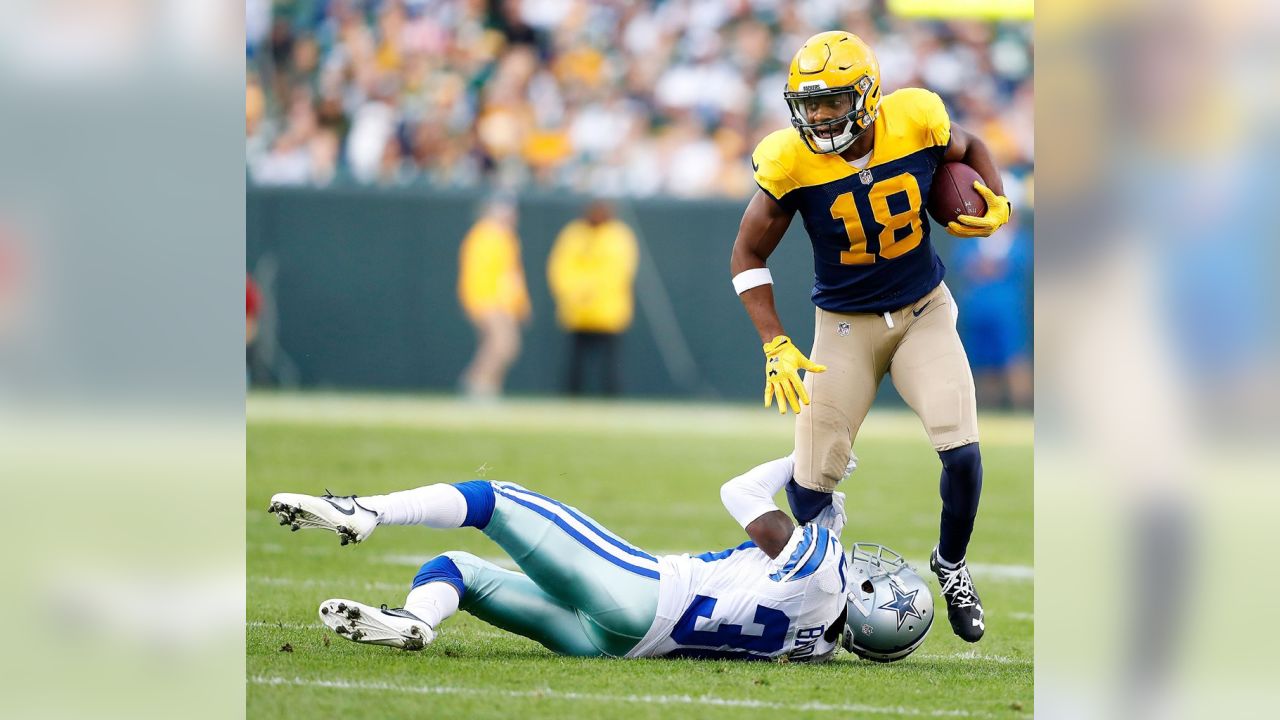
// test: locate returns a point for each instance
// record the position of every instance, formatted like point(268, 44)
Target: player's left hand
point(998, 210)
point(783, 362)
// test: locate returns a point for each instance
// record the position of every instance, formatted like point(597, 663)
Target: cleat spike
point(295, 527)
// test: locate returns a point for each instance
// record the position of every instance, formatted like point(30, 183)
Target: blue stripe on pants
point(604, 534)
point(582, 539)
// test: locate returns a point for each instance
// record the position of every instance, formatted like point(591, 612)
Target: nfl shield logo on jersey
point(865, 177)
point(842, 329)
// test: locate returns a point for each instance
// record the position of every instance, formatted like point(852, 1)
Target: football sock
point(437, 590)
point(960, 487)
point(436, 506)
point(947, 563)
point(806, 504)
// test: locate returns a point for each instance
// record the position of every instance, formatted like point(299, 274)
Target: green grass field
point(649, 472)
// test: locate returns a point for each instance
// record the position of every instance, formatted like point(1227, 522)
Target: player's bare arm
point(969, 149)
point(771, 532)
point(763, 225)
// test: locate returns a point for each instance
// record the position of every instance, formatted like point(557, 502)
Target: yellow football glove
point(782, 365)
point(973, 226)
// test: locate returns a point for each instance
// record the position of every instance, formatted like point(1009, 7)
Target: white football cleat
point(343, 515)
point(362, 623)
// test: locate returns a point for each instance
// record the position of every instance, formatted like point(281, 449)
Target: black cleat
point(964, 607)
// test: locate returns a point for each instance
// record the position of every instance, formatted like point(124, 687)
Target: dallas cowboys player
point(585, 591)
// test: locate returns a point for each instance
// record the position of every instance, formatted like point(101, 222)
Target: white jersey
point(740, 603)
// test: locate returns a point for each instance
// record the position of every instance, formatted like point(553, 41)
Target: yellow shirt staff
point(591, 272)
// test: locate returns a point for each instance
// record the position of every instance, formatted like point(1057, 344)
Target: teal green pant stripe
point(612, 607)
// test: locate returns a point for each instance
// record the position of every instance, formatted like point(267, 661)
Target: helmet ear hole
point(867, 586)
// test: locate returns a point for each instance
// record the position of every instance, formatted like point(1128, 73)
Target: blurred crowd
point(614, 97)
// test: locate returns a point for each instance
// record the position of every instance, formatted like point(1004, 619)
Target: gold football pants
point(920, 349)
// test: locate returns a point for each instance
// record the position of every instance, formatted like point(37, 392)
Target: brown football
point(952, 193)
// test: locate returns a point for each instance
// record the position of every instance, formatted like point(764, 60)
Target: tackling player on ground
point(857, 169)
point(585, 591)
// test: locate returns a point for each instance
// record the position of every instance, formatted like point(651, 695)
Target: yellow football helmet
point(833, 90)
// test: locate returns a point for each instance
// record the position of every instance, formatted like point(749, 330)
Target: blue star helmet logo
point(903, 603)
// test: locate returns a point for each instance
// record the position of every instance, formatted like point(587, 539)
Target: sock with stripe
point(441, 506)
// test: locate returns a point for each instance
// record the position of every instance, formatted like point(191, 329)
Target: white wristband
point(755, 277)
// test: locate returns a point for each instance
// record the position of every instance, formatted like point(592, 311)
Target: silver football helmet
point(890, 608)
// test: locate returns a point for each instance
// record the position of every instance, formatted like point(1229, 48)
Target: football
point(952, 193)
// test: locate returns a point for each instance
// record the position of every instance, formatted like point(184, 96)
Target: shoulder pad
point(918, 114)
point(810, 546)
point(772, 162)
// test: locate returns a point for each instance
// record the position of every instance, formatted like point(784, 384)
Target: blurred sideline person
point(857, 168)
point(492, 289)
point(592, 272)
point(993, 324)
point(253, 309)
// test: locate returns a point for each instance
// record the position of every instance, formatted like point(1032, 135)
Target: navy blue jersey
point(871, 248)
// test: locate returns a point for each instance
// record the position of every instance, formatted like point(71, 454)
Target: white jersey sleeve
point(740, 603)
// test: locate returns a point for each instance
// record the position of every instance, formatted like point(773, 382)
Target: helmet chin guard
point(890, 607)
point(837, 71)
point(836, 134)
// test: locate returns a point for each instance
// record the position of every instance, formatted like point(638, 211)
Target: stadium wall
point(361, 293)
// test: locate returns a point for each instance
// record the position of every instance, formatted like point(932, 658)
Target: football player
point(585, 591)
point(857, 167)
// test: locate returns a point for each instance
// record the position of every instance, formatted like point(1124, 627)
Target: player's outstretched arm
point(762, 228)
point(749, 499)
point(969, 149)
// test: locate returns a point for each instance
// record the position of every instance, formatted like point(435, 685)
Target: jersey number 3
point(767, 635)
point(843, 209)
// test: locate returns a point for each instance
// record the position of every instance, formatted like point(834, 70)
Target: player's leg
point(854, 347)
point(574, 559)
point(457, 580)
point(931, 372)
point(612, 363)
point(571, 557)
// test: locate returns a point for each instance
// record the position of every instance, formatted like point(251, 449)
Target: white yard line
point(549, 694)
